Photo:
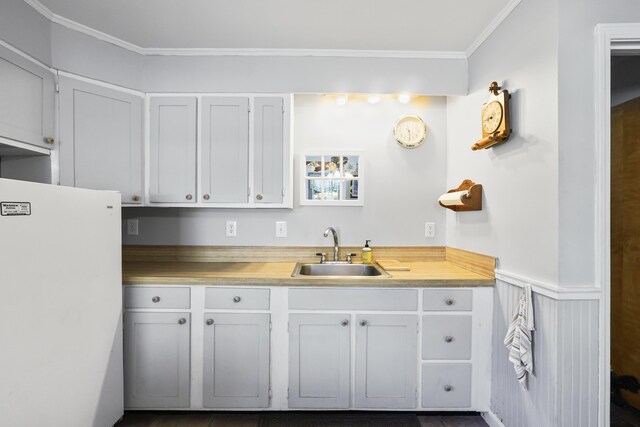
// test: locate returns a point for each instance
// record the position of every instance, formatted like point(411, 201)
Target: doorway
point(625, 239)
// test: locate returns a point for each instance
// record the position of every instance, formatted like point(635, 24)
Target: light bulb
point(374, 99)
point(404, 98)
point(341, 100)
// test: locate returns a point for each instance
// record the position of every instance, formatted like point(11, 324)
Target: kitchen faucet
point(335, 241)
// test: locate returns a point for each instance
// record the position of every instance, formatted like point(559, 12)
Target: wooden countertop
point(422, 274)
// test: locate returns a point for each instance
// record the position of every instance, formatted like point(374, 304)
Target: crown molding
point(495, 23)
point(340, 53)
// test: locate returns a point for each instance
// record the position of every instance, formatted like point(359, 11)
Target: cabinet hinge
point(287, 392)
point(282, 191)
point(248, 191)
point(416, 393)
point(270, 393)
point(57, 88)
point(270, 326)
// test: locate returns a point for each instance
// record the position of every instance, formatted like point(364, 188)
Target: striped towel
point(518, 339)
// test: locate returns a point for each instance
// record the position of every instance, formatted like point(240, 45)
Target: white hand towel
point(518, 339)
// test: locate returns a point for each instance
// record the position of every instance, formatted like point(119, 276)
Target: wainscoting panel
point(563, 389)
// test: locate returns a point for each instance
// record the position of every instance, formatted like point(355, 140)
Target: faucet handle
point(323, 257)
point(349, 255)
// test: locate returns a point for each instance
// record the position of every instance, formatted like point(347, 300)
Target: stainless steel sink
point(339, 270)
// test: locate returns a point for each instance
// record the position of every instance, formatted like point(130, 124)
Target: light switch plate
point(232, 229)
point(429, 229)
point(281, 228)
point(132, 227)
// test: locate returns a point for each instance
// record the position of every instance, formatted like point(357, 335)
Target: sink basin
point(339, 270)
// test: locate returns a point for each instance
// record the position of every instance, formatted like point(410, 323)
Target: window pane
point(351, 190)
point(350, 166)
point(313, 165)
point(314, 189)
point(332, 189)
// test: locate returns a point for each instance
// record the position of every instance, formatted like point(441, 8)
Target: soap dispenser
point(367, 255)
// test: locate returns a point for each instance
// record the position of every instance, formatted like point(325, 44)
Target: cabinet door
point(386, 355)
point(225, 149)
point(236, 360)
point(319, 360)
point(268, 149)
point(172, 163)
point(26, 100)
point(100, 139)
point(157, 360)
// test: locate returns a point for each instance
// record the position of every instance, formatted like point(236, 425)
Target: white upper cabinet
point(172, 150)
point(26, 100)
point(225, 149)
point(269, 150)
point(101, 139)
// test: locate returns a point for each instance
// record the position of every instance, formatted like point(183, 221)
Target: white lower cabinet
point(156, 360)
point(386, 358)
point(319, 359)
point(446, 385)
point(236, 360)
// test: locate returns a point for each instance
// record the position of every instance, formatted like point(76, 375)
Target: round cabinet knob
point(182, 321)
point(449, 301)
point(209, 322)
point(364, 323)
point(155, 299)
point(259, 197)
point(237, 299)
point(345, 322)
point(189, 197)
point(206, 197)
point(448, 338)
point(448, 388)
point(49, 140)
point(135, 198)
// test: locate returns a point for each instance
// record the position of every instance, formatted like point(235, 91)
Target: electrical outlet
point(281, 228)
point(132, 227)
point(232, 229)
point(429, 229)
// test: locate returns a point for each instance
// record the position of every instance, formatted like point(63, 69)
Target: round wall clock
point(410, 131)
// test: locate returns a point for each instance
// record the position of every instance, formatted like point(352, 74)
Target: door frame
point(609, 37)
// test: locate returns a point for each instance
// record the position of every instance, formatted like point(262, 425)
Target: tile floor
point(307, 419)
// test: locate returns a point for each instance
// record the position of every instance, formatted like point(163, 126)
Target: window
point(331, 179)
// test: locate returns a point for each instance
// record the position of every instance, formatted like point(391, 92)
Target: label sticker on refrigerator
point(15, 208)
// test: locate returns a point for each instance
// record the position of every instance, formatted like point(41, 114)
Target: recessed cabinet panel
point(172, 163)
point(447, 300)
point(26, 100)
point(446, 337)
point(101, 139)
point(386, 357)
point(236, 360)
point(268, 149)
point(225, 149)
point(237, 298)
point(446, 385)
point(157, 355)
point(319, 360)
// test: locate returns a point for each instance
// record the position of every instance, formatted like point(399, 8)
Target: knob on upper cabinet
point(49, 140)
point(135, 198)
point(182, 321)
point(345, 322)
point(364, 323)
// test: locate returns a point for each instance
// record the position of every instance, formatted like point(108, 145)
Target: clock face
point(410, 131)
point(491, 117)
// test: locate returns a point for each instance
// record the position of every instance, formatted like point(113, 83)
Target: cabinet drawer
point(446, 385)
point(157, 297)
point(447, 300)
point(240, 298)
point(353, 299)
point(446, 337)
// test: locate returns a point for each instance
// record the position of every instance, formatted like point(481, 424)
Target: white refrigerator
point(60, 306)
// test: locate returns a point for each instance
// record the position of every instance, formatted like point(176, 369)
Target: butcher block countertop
point(171, 265)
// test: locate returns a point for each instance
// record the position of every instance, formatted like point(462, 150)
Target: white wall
point(576, 98)
point(519, 219)
point(402, 186)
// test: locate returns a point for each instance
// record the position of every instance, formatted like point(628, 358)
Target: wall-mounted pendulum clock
point(496, 127)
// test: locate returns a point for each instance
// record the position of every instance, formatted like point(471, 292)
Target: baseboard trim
point(491, 419)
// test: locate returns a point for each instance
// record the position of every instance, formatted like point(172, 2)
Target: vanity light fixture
point(404, 98)
point(374, 99)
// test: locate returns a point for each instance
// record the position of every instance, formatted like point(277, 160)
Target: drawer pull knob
point(237, 299)
point(448, 338)
point(209, 322)
point(155, 299)
point(182, 321)
point(259, 197)
point(364, 323)
point(448, 388)
point(449, 301)
point(206, 197)
point(189, 196)
point(345, 322)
